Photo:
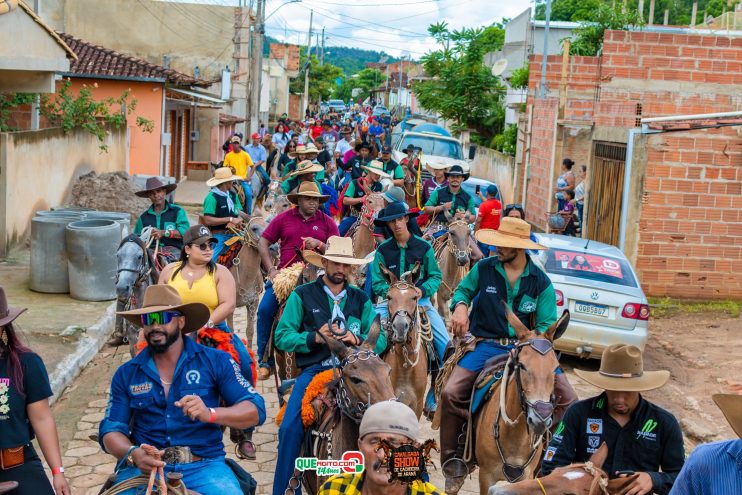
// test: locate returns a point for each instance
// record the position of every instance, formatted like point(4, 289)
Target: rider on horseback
point(306, 171)
point(399, 253)
point(241, 163)
point(452, 203)
point(168, 397)
point(303, 227)
point(328, 308)
point(169, 221)
point(354, 166)
point(222, 208)
point(394, 169)
point(358, 189)
point(509, 278)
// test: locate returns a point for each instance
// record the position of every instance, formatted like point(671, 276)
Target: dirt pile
point(112, 191)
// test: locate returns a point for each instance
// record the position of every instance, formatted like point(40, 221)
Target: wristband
point(168, 233)
point(57, 470)
point(212, 418)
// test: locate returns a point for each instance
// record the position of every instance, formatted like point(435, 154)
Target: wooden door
point(606, 192)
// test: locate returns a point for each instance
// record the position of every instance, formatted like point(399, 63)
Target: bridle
point(144, 270)
point(412, 318)
point(367, 216)
point(599, 484)
point(452, 248)
point(514, 472)
point(343, 398)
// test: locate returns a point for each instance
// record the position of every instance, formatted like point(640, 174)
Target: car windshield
point(336, 102)
point(433, 146)
point(590, 266)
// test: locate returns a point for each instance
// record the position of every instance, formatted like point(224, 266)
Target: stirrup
point(455, 468)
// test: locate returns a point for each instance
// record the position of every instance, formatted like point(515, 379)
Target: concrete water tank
point(123, 219)
point(48, 253)
point(91, 253)
point(60, 213)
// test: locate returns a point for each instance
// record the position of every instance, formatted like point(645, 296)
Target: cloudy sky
point(393, 26)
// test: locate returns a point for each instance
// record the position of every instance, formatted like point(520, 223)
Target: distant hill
point(351, 60)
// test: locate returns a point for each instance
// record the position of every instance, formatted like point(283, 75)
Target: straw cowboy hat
point(166, 298)
point(622, 370)
point(731, 407)
point(153, 184)
point(513, 233)
point(339, 249)
point(309, 190)
point(7, 314)
point(222, 175)
point(376, 167)
point(306, 167)
point(301, 150)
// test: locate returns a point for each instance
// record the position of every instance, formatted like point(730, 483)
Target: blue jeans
point(560, 203)
point(248, 196)
point(291, 431)
point(207, 476)
point(580, 209)
point(219, 247)
point(474, 360)
point(345, 225)
point(267, 310)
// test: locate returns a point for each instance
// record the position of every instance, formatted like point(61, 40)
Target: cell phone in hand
point(477, 188)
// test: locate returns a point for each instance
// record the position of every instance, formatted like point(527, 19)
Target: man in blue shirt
point(258, 155)
point(715, 468)
point(168, 397)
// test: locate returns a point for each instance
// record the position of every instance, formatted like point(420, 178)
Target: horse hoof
point(246, 450)
point(264, 373)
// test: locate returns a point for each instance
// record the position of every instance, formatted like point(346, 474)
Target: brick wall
point(282, 51)
point(294, 106)
point(690, 221)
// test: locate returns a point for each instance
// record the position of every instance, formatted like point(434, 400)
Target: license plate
point(591, 309)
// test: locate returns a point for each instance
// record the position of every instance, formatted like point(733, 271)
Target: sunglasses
point(514, 205)
point(205, 246)
point(159, 318)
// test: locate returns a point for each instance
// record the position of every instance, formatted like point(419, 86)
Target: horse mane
point(132, 238)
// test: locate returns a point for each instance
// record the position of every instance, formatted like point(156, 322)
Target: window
point(595, 267)
point(434, 146)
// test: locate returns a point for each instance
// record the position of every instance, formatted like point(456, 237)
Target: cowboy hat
point(394, 211)
point(731, 407)
point(166, 298)
point(306, 167)
point(376, 167)
point(222, 175)
point(622, 370)
point(393, 194)
point(7, 314)
point(513, 233)
point(339, 249)
point(307, 189)
point(153, 184)
point(309, 149)
point(345, 130)
point(456, 171)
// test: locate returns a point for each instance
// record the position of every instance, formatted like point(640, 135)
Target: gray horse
point(136, 271)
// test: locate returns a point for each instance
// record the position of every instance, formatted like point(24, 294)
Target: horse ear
point(337, 347)
point(521, 331)
point(558, 328)
point(600, 455)
point(414, 274)
point(388, 275)
point(373, 334)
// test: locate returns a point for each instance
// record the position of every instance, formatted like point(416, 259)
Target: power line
point(364, 26)
point(397, 4)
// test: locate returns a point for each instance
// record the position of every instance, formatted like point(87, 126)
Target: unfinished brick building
point(667, 191)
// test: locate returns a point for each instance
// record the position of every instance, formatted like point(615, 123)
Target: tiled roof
point(95, 60)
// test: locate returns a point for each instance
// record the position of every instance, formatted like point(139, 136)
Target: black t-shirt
point(324, 157)
point(15, 428)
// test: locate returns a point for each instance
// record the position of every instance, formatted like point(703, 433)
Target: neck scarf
point(336, 311)
point(230, 203)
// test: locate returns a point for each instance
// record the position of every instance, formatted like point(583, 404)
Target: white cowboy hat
point(339, 249)
point(376, 167)
point(622, 370)
point(513, 233)
point(222, 175)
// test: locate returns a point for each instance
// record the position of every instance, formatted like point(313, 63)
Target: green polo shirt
point(433, 201)
point(181, 222)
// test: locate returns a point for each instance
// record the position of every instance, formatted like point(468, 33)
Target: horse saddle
point(228, 255)
point(486, 380)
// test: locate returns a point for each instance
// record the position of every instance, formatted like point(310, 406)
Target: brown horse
point(364, 379)
point(453, 254)
point(407, 355)
point(520, 411)
point(363, 230)
point(585, 478)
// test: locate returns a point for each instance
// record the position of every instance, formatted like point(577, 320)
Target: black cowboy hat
point(456, 171)
point(410, 147)
point(365, 145)
point(394, 211)
point(154, 183)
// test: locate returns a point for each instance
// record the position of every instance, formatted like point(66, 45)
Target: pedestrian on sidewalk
point(25, 414)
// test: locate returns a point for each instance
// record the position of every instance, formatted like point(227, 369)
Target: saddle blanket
point(482, 392)
point(319, 386)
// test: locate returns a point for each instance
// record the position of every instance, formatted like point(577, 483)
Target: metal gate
point(606, 192)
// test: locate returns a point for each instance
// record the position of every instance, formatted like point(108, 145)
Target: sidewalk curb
point(70, 367)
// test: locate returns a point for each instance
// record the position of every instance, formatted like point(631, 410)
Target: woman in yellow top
point(198, 279)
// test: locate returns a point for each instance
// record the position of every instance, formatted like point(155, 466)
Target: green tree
point(519, 77)
point(9, 101)
point(461, 88)
point(588, 38)
point(322, 79)
point(365, 80)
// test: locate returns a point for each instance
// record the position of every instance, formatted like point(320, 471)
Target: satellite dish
point(499, 67)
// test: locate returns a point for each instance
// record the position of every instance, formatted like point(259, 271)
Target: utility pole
point(542, 91)
point(256, 68)
point(399, 90)
point(308, 64)
point(250, 80)
point(322, 53)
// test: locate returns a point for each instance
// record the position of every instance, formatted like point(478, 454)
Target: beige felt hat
point(308, 189)
point(306, 167)
point(222, 175)
point(166, 298)
point(622, 370)
point(339, 249)
point(513, 233)
point(731, 406)
point(301, 150)
point(377, 168)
